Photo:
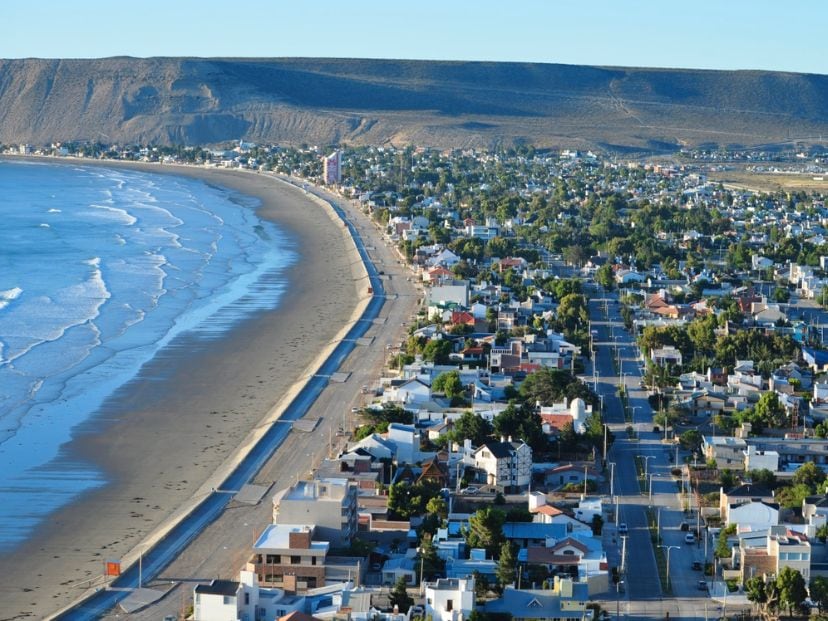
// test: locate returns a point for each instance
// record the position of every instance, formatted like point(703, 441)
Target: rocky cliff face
point(442, 104)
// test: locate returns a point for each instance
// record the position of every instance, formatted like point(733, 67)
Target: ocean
point(100, 269)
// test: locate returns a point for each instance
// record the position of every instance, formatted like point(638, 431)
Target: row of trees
point(788, 591)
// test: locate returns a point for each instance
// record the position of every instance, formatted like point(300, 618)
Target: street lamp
point(658, 525)
point(668, 548)
point(646, 459)
point(650, 487)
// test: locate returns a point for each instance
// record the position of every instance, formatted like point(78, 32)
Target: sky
point(704, 34)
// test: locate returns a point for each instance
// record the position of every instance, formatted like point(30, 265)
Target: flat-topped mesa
point(433, 103)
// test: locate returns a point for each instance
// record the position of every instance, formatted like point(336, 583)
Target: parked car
point(685, 526)
point(696, 565)
point(470, 490)
point(702, 585)
point(689, 538)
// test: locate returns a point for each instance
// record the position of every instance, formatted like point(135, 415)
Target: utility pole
point(624, 554)
point(612, 480)
point(605, 444)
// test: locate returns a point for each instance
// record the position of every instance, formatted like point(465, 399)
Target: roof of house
point(749, 490)
point(820, 500)
point(558, 421)
point(501, 450)
point(534, 530)
point(218, 587)
point(526, 604)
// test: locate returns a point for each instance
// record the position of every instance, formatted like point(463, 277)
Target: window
point(295, 560)
point(449, 605)
point(246, 598)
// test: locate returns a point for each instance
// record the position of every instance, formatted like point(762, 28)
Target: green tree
point(399, 596)
point(547, 386)
point(808, 474)
point(822, 532)
point(481, 585)
point(485, 530)
point(405, 500)
point(690, 440)
point(819, 591)
point(769, 410)
point(437, 351)
point(763, 477)
point(791, 496)
point(764, 595)
point(520, 423)
point(437, 506)
point(722, 546)
point(604, 276)
point(727, 478)
point(572, 312)
point(792, 591)
point(448, 383)
point(472, 427)
point(506, 565)
point(432, 564)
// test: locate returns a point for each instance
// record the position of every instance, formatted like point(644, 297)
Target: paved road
point(228, 529)
point(618, 361)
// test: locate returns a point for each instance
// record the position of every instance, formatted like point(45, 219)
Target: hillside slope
point(443, 104)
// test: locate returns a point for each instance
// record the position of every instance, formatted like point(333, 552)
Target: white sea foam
point(8, 296)
point(170, 256)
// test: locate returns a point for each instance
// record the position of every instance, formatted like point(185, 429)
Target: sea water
point(99, 270)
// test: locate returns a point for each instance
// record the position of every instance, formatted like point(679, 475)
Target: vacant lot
point(772, 182)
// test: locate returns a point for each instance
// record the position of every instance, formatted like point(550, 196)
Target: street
point(617, 362)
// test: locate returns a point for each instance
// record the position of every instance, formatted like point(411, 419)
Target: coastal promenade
point(223, 546)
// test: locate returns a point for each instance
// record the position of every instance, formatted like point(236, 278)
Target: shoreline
point(156, 439)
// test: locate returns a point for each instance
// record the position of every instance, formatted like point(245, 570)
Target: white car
point(689, 538)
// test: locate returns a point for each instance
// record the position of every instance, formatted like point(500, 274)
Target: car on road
point(689, 538)
point(696, 565)
point(622, 528)
point(702, 585)
point(685, 527)
point(470, 490)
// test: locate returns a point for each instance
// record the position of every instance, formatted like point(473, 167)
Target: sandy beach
point(163, 437)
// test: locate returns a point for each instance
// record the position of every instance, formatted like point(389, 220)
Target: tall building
point(330, 505)
point(332, 168)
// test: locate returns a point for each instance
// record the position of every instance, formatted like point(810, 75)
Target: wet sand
point(173, 433)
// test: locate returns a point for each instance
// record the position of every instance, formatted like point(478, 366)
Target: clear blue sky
point(709, 34)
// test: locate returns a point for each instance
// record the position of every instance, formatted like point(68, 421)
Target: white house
point(756, 459)
point(506, 465)
point(666, 355)
point(753, 516)
point(457, 292)
point(406, 440)
point(449, 599)
point(445, 257)
point(413, 392)
point(228, 600)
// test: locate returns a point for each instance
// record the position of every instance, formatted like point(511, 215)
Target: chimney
point(299, 540)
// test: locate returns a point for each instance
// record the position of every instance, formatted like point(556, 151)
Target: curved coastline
point(172, 435)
